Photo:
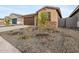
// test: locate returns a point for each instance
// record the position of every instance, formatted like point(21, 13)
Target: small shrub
point(23, 37)
point(15, 33)
point(42, 34)
point(55, 31)
point(12, 32)
point(28, 36)
point(39, 35)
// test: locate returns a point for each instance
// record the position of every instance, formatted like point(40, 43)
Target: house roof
point(18, 15)
point(75, 11)
point(29, 15)
point(49, 7)
point(58, 10)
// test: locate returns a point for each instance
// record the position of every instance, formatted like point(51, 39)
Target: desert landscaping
point(35, 40)
point(44, 31)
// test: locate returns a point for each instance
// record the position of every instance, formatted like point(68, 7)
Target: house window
point(48, 15)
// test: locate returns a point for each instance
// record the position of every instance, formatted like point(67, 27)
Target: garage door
point(28, 20)
point(14, 21)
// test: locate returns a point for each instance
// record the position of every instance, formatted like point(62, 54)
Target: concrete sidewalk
point(6, 47)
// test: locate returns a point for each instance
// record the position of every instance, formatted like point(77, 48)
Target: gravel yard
point(33, 40)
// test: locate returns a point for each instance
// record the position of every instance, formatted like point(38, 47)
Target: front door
point(14, 21)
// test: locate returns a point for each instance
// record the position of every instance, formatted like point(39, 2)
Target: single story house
point(53, 14)
point(16, 19)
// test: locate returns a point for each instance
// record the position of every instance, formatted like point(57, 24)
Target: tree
point(7, 22)
point(42, 19)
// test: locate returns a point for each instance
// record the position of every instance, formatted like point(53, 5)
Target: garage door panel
point(29, 21)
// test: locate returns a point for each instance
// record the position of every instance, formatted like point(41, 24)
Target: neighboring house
point(73, 20)
point(53, 14)
point(16, 18)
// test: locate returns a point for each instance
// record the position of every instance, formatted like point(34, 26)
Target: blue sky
point(6, 10)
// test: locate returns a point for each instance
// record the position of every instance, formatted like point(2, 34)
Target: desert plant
point(23, 37)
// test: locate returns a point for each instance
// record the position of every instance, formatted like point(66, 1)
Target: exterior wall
point(20, 20)
point(54, 16)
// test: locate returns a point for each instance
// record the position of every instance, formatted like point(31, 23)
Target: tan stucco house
point(53, 13)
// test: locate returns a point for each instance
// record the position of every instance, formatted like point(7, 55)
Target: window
point(48, 15)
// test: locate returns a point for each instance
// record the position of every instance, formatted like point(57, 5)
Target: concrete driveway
point(5, 46)
point(5, 28)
